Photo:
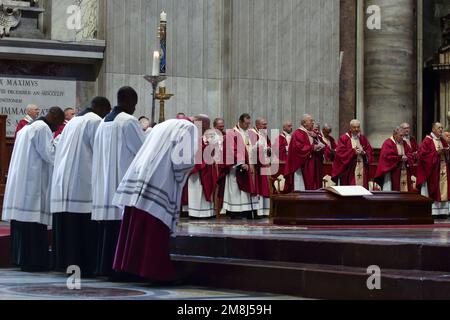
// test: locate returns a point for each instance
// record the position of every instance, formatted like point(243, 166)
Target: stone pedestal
point(390, 70)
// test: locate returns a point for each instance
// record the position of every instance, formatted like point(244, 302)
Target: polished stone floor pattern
point(16, 285)
point(438, 234)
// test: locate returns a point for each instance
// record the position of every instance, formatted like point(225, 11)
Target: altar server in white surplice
point(74, 233)
point(27, 197)
point(118, 140)
point(150, 194)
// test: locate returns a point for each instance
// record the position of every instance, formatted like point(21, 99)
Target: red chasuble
point(22, 123)
point(262, 165)
point(301, 155)
point(391, 162)
point(431, 168)
point(413, 145)
point(346, 161)
point(235, 151)
point(208, 176)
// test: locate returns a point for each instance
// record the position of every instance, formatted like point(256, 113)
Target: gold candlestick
point(162, 96)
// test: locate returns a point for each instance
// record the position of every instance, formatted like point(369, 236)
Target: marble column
point(390, 70)
point(347, 92)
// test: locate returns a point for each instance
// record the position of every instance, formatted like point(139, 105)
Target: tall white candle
point(156, 62)
point(162, 84)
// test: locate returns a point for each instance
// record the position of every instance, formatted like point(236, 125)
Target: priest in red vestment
point(31, 113)
point(353, 157)
point(394, 166)
point(263, 166)
point(280, 154)
point(410, 140)
point(238, 174)
point(203, 179)
point(433, 177)
point(330, 142)
point(305, 159)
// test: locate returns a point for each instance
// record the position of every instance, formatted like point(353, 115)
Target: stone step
point(402, 256)
point(311, 280)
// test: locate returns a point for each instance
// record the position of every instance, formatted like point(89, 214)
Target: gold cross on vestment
point(359, 176)
point(443, 174)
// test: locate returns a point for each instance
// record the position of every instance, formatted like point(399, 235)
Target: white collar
point(434, 136)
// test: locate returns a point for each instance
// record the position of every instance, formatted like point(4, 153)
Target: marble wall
point(271, 58)
point(89, 12)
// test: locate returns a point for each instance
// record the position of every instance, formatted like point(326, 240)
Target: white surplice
point(155, 180)
point(198, 207)
point(72, 175)
point(27, 195)
point(115, 147)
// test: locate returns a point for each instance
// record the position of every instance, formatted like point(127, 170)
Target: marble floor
point(438, 234)
point(16, 285)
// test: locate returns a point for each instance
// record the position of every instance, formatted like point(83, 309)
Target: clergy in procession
point(305, 159)
point(27, 196)
point(69, 114)
point(238, 171)
point(330, 142)
point(31, 113)
point(410, 140)
point(433, 177)
point(353, 157)
point(119, 138)
point(263, 166)
point(203, 178)
point(280, 154)
point(74, 233)
point(150, 194)
point(394, 166)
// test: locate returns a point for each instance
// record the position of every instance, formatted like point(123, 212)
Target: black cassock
point(75, 242)
point(30, 246)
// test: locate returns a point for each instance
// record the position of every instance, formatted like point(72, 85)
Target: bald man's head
point(438, 129)
point(307, 122)
point(32, 111)
point(261, 124)
point(204, 121)
point(288, 127)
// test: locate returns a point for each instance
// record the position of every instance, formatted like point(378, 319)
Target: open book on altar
point(349, 191)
